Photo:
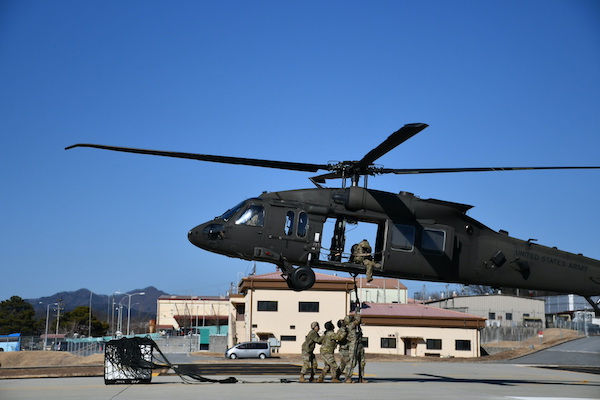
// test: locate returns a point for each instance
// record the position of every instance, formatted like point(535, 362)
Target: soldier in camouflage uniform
point(344, 344)
point(356, 348)
point(328, 346)
point(308, 355)
point(361, 254)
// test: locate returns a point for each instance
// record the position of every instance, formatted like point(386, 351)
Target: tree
point(477, 290)
point(17, 316)
point(78, 322)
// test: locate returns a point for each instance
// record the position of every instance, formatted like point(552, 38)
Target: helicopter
point(414, 238)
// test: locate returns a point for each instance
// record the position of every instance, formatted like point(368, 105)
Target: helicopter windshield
point(229, 213)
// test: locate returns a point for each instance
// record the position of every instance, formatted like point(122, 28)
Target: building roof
point(274, 280)
point(480, 297)
point(394, 314)
point(193, 298)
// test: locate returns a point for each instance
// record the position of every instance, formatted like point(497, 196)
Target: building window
point(463, 345)
point(308, 306)
point(288, 338)
point(292, 326)
point(434, 344)
point(492, 315)
point(388, 342)
point(240, 311)
point(267, 306)
point(509, 316)
point(365, 342)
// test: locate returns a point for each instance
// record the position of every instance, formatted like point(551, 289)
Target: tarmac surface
point(555, 377)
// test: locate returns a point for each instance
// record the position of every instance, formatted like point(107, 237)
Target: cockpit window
point(253, 216)
point(229, 213)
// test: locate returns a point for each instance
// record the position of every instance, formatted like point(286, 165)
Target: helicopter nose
point(207, 236)
point(195, 236)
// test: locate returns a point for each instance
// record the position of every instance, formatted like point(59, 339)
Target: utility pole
point(90, 320)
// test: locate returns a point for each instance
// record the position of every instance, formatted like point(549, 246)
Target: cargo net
point(131, 360)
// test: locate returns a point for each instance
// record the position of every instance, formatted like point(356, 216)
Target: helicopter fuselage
point(422, 239)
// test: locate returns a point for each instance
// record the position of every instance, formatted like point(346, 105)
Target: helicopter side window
point(253, 216)
point(302, 224)
point(403, 237)
point(433, 241)
point(289, 223)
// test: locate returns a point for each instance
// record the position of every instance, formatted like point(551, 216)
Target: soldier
point(344, 344)
point(328, 346)
point(356, 349)
point(308, 355)
point(361, 254)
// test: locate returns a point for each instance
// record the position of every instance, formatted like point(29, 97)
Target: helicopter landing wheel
point(302, 278)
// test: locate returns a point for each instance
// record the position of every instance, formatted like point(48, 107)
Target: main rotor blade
point(324, 177)
point(211, 158)
point(396, 138)
point(482, 169)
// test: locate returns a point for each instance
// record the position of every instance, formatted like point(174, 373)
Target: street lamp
point(47, 321)
point(129, 307)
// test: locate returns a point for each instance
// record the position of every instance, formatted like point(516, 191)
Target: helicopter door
point(289, 231)
point(422, 250)
point(346, 233)
point(248, 232)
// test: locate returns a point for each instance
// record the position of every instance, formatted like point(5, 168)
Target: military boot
point(302, 380)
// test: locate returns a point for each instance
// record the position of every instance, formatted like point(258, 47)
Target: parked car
point(260, 350)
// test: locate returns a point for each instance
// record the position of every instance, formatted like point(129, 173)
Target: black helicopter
point(423, 239)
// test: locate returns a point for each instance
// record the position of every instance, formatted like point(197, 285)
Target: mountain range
point(142, 306)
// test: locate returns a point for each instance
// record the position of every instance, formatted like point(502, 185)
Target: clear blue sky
point(501, 83)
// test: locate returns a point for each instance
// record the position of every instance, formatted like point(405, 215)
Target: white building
point(185, 312)
point(380, 290)
point(498, 309)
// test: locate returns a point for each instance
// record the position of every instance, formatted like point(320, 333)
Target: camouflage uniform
point(344, 344)
point(308, 355)
point(357, 350)
point(361, 254)
point(328, 346)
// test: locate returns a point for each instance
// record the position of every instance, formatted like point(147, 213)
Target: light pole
point(112, 320)
point(47, 321)
point(129, 307)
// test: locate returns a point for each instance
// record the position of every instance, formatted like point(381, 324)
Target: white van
point(260, 350)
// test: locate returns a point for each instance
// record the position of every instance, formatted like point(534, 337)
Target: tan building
point(185, 312)
point(266, 309)
point(418, 330)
